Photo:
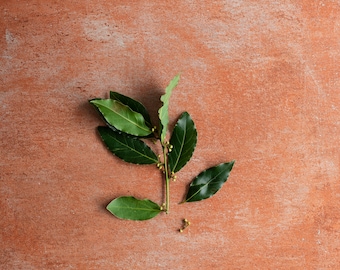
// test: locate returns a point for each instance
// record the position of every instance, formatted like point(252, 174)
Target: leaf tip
point(91, 100)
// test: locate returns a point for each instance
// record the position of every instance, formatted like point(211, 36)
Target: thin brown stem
point(167, 178)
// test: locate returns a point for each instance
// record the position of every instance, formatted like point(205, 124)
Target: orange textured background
point(259, 78)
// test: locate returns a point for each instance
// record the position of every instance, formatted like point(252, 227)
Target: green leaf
point(208, 182)
point(163, 112)
point(183, 141)
point(127, 148)
point(133, 105)
point(128, 207)
point(122, 117)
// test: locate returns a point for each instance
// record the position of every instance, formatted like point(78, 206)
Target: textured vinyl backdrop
point(259, 78)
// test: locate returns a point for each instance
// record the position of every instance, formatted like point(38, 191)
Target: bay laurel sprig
point(127, 128)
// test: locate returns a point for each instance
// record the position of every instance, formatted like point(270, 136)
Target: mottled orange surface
point(259, 78)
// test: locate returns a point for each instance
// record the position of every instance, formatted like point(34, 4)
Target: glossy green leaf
point(128, 207)
point(122, 117)
point(208, 182)
point(133, 105)
point(183, 141)
point(163, 112)
point(127, 148)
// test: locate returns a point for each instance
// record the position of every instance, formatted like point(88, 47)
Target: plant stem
point(167, 179)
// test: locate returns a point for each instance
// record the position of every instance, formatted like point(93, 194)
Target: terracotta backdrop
point(259, 78)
